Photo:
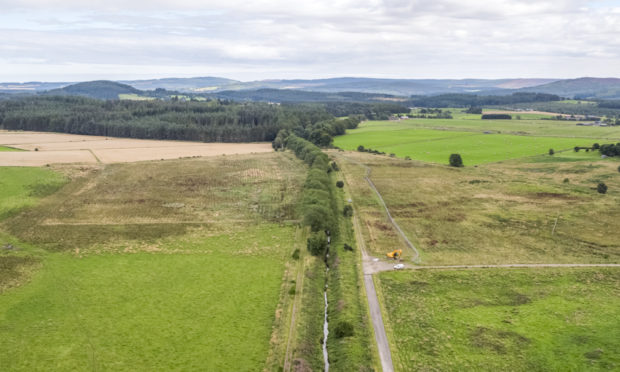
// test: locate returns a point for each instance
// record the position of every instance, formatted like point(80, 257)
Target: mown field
point(493, 214)
point(170, 265)
point(503, 320)
point(477, 141)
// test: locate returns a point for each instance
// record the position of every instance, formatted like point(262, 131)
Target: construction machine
point(395, 254)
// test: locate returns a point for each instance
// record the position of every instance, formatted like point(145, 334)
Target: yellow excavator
point(395, 254)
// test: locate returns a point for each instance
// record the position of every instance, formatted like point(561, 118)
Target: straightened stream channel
point(325, 320)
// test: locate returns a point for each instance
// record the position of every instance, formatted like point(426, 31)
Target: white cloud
point(271, 39)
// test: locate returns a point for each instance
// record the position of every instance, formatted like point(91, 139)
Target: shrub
point(596, 146)
point(335, 166)
point(392, 155)
point(361, 148)
point(456, 160)
point(343, 329)
point(601, 188)
point(566, 180)
point(348, 247)
point(407, 158)
point(496, 117)
point(551, 152)
point(317, 243)
point(618, 168)
point(296, 254)
point(340, 184)
point(347, 211)
point(291, 291)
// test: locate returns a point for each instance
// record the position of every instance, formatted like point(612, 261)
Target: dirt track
point(54, 148)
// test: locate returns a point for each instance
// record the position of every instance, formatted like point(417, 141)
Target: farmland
point(513, 205)
point(478, 141)
point(148, 266)
point(55, 148)
point(535, 209)
point(490, 320)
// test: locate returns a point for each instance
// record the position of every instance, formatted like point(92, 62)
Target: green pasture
point(551, 128)
point(134, 97)
point(412, 138)
point(173, 265)
point(499, 320)
point(22, 186)
point(209, 308)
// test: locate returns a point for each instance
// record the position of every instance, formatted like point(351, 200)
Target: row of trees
point(319, 205)
point(469, 100)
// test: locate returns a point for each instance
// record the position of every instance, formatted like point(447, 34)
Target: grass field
point(493, 320)
point(134, 97)
point(4, 148)
point(496, 213)
point(170, 265)
point(467, 137)
point(21, 187)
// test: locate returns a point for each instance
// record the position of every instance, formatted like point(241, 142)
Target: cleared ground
point(170, 265)
point(492, 320)
point(54, 148)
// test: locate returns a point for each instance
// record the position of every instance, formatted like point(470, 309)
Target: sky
point(77, 40)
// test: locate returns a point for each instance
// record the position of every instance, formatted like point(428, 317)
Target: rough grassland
point(500, 320)
point(497, 213)
point(172, 265)
point(21, 187)
point(408, 139)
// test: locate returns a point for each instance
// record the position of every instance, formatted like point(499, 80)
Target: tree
point(339, 184)
point(551, 152)
point(596, 146)
point(601, 188)
point(347, 211)
point(360, 148)
point(576, 148)
point(455, 160)
point(317, 243)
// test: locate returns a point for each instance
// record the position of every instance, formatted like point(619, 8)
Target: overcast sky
point(77, 40)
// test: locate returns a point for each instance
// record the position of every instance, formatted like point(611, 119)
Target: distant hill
point(582, 88)
point(197, 84)
point(101, 89)
point(294, 95)
point(29, 87)
point(399, 87)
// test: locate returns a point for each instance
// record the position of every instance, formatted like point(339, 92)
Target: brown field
point(53, 148)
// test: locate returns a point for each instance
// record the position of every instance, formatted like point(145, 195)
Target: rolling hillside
point(101, 89)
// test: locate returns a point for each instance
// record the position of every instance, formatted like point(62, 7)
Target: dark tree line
point(211, 121)
point(319, 205)
point(469, 100)
point(496, 117)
